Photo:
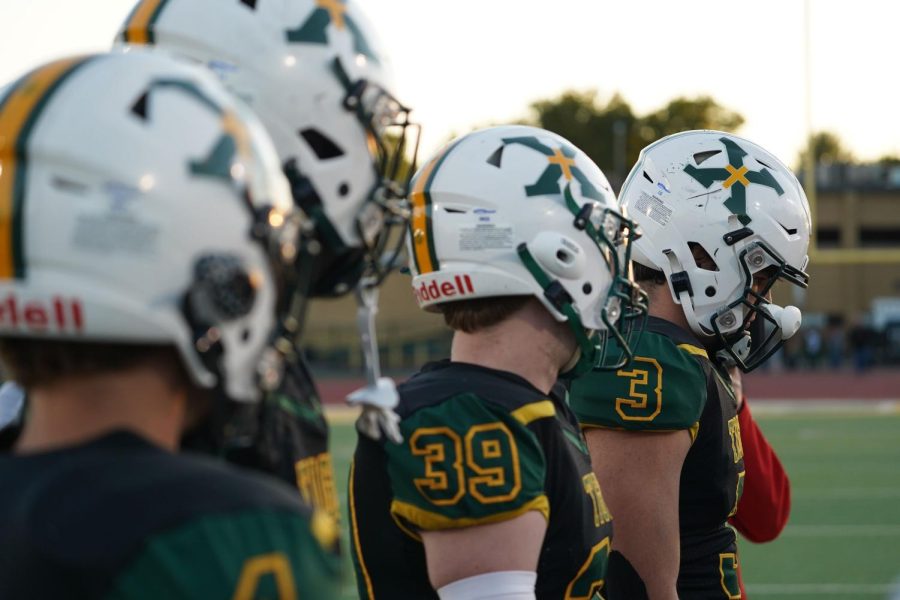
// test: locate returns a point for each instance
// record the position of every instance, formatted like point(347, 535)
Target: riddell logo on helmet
point(36, 315)
point(460, 285)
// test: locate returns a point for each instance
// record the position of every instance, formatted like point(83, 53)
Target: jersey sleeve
point(663, 389)
point(256, 554)
point(465, 462)
point(765, 503)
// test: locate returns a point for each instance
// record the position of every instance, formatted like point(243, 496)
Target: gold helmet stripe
point(420, 222)
point(19, 112)
point(137, 28)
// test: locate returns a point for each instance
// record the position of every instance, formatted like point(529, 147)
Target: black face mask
point(761, 334)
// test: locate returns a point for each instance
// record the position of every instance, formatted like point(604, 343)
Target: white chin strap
point(573, 360)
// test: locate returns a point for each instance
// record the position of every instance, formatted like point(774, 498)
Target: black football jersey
point(119, 518)
point(290, 439)
point(672, 384)
point(479, 446)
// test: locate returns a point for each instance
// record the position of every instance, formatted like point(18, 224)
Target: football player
point(515, 238)
point(765, 503)
point(147, 235)
point(315, 74)
point(723, 220)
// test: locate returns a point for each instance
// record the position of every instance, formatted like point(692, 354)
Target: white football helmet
point(142, 204)
point(516, 210)
point(742, 206)
point(314, 73)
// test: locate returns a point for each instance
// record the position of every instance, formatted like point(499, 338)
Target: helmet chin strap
point(379, 397)
point(684, 296)
point(573, 360)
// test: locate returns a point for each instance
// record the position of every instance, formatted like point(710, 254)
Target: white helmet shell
point(731, 198)
point(127, 181)
point(315, 74)
point(520, 211)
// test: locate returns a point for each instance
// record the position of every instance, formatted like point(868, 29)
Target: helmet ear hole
point(559, 255)
point(222, 290)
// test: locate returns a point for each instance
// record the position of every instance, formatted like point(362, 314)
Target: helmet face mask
point(626, 304)
point(717, 210)
point(315, 76)
point(518, 211)
point(760, 334)
point(389, 134)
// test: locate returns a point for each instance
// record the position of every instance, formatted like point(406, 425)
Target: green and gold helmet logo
point(560, 165)
point(735, 177)
point(331, 12)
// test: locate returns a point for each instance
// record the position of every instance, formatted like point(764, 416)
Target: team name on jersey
point(61, 314)
point(460, 285)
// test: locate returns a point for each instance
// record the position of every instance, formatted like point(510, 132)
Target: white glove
point(378, 402)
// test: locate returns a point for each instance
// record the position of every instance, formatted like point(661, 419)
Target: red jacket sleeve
point(765, 505)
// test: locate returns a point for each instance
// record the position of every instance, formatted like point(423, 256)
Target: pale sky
point(474, 62)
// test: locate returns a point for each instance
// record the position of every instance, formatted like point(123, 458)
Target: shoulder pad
point(662, 389)
point(467, 461)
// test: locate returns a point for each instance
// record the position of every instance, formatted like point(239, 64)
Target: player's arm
point(481, 558)
point(765, 504)
point(639, 422)
point(640, 473)
point(468, 478)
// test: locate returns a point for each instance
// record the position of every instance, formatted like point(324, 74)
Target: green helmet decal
point(736, 177)
point(331, 12)
point(231, 143)
point(562, 164)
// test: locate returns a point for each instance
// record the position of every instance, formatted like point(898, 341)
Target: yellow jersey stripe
point(694, 431)
point(431, 521)
point(534, 411)
point(137, 29)
point(691, 349)
point(18, 114)
point(354, 527)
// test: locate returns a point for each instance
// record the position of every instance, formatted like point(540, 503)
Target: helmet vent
point(792, 231)
point(321, 144)
point(496, 158)
point(762, 163)
point(702, 258)
point(139, 108)
point(250, 3)
point(648, 178)
point(702, 157)
point(455, 211)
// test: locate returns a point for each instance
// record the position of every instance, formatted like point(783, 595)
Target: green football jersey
point(673, 385)
point(480, 446)
point(120, 519)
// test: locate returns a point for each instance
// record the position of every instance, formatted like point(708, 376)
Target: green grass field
point(843, 538)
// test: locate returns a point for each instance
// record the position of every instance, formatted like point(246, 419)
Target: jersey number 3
point(484, 463)
point(644, 401)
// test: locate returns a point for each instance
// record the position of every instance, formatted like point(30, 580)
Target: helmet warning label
point(485, 236)
point(654, 208)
